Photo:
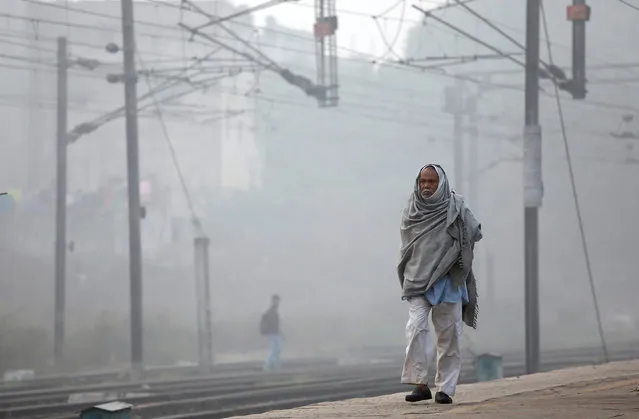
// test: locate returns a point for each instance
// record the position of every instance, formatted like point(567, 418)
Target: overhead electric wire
point(604, 345)
point(415, 69)
point(471, 37)
point(607, 66)
point(382, 112)
point(268, 4)
point(197, 224)
point(175, 28)
point(390, 46)
point(465, 77)
point(362, 83)
point(437, 8)
point(203, 70)
point(554, 44)
point(627, 3)
point(553, 72)
point(496, 28)
point(164, 60)
point(270, 63)
point(53, 65)
point(363, 57)
point(371, 59)
point(22, 68)
point(461, 57)
point(179, 28)
point(12, 33)
point(91, 27)
point(27, 46)
point(90, 126)
point(99, 75)
point(116, 113)
point(81, 108)
point(24, 59)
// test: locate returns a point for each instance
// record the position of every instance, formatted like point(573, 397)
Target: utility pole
point(133, 183)
point(458, 150)
point(203, 289)
point(473, 151)
point(579, 14)
point(453, 104)
point(490, 279)
point(36, 117)
point(325, 29)
point(61, 203)
point(533, 186)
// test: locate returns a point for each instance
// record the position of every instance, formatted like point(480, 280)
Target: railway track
point(168, 372)
point(230, 394)
point(221, 383)
point(158, 372)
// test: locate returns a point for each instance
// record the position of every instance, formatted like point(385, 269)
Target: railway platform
point(591, 392)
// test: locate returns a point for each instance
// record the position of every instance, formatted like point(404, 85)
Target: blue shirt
point(445, 291)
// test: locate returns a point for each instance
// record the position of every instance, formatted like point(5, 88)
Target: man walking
point(438, 234)
point(270, 327)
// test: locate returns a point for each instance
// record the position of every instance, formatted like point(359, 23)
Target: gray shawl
point(438, 235)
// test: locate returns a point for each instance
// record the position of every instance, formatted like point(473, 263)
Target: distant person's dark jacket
point(270, 324)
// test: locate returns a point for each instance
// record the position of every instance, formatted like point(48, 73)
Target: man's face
point(428, 181)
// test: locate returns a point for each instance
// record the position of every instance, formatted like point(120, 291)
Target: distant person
point(270, 327)
point(438, 234)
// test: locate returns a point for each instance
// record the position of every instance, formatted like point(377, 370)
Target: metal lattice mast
point(326, 51)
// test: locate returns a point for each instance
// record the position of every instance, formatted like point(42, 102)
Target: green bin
point(489, 367)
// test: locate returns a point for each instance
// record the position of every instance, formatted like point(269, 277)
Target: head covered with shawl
point(431, 194)
point(438, 234)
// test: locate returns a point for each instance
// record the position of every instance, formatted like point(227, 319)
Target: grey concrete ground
point(593, 392)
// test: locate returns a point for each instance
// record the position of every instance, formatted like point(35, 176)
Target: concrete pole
point(61, 203)
point(533, 186)
point(455, 106)
point(203, 290)
point(133, 182)
point(473, 154)
point(579, 54)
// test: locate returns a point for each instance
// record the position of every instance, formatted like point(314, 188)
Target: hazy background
point(298, 200)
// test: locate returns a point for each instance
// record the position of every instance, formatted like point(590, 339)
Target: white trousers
point(447, 319)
